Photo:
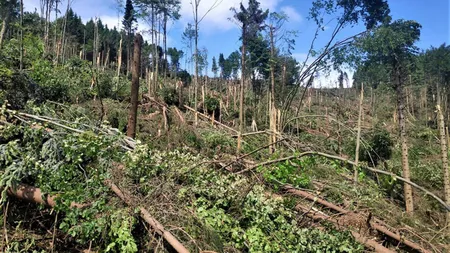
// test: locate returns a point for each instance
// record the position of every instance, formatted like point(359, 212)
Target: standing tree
point(188, 38)
point(251, 21)
point(175, 56)
point(132, 117)
point(233, 63)
point(393, 45)
point(21, 34)
point(8, 10)
point(170, 10)
point(197, 20)
point(371, 12)
point(214, 67)
point(128, 25)
point(275, 24)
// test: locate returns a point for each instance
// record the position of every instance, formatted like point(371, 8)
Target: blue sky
point(219, 35)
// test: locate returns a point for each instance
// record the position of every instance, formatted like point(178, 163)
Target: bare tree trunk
point(63, 41)
point(165, 46)
point(47, 24)
point(132, 118)
point(128, 52)
point(119, 57)
point(4, 27)
point(358, 137)
point(403, 138)
point(55, 36)
point(197, 2)
point(21, 34)
point(272, 106)
point(158, 41)
point(444, 150)
point(242, 88)
point(155, 50)
point(106, 62)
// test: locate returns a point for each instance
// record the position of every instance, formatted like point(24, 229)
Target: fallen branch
point(159, 229)
point(129, 142)
point(180, 116)
point(358, 237)
point(251, 153)
point(341, 210)
point(209, 118)
point(311, 153)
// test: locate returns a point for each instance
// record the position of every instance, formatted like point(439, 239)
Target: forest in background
point(123, 150)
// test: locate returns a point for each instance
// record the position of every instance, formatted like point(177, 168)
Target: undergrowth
point(211, 209)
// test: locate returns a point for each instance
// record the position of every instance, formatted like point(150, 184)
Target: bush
point(378, 148)
point(17, 89)
point(212, 103)
point(169, 95)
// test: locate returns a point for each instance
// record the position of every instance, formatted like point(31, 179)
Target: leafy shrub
point(55, 164)
point(288, 172)
point(378, 147)
point(17, 88)
point(211, 104)
point(169, 95)
point(184, 76)
point(215, 141)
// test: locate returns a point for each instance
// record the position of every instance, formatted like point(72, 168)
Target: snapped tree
point(393, 45)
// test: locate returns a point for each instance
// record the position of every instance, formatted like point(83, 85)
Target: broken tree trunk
point(373, 224)
point(208, 118)
point(132, 117)
point(444, 150)
point(119, 58)
point(358, 237)
point(358, 137)
point(409, 202)
point(33, 194)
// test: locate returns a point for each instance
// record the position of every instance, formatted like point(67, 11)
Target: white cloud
point(324, 80)
point(292, 14)
point(217, 19)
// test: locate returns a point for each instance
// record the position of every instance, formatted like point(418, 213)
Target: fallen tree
point(358, 237)
point(334, 157)
point(35, 195)
point(375, 225)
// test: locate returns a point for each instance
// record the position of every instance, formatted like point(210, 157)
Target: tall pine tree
point(128, 25)
point(214, 67)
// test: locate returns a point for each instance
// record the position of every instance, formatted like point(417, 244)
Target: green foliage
point(211, 103)
point(371, 11)
point(120, 232)
point(216, 141)
point(169, 95)
point(17, 88)
point(289, 172)
point(184, 76)
point(393, 43)
point(72, 167)
point(267, 226)
point(175, 57)
point(376, 147)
